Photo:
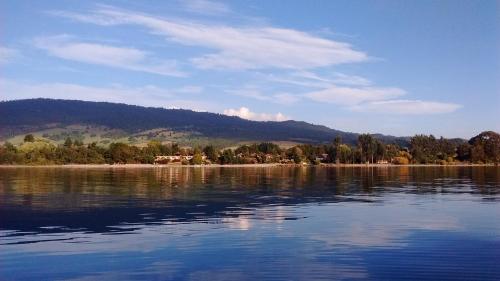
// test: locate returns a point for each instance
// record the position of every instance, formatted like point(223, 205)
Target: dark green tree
point(68, 142)
point(9, 154)
point(368, 147)
point(227, 157)
point(445, 149)
point(344, 153)
point(296, 154)
point(78, 143)
point(243, 150)
point(489, 143)
point(121, 153)
point(380, 150)
point(211, 153)
point(29, 138)
point(269, 148)
point(392, 151)
point(424, 149)
point(175, 148)
point(463, 152)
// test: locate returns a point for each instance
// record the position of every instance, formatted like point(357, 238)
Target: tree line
point(423, 149)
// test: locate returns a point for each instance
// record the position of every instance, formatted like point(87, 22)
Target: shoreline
point(267, 165)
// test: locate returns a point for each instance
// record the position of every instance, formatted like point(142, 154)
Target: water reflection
point(271, 223)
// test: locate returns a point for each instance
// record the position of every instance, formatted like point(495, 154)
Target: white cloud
point(379, 100)
point(285, 98)
point(413, 107)
point(189, 90)
point(245, 113)
point(146, 96)
point(353, 95)
point(310, 79)
point(356, 94)
point(205, 7)
point(247, 47)
point(250, 92)
point(354, 80)
point(254, 93)
point(309, 75)
point(65, 47)
point(302, 83)
point(338, 78)
point(235, 47)
point(6, 54)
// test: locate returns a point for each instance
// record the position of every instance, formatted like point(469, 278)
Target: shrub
point(29, 138)
point(400, 160)
point(197, 159)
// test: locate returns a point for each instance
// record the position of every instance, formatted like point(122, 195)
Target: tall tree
point(344, 153)
point(380, 150)
point(368, 146)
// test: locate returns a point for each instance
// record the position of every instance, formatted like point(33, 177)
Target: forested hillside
point(25, 116)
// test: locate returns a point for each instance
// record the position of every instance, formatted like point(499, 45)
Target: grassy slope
point(104, 136)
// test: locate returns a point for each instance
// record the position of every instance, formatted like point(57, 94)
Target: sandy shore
point(107, 166)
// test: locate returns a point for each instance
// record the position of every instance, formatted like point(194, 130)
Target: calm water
point(433, 223)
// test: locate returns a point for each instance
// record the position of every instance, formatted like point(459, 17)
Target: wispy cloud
point(236, 47)
point(336, 78)
point(302, 83)
point(354, 95)
point(245, 113)
point(309, 79)
point(354, 80)
point(250, 92)
point(149, 95)
point(7, 54)
point(287, 56)
point(66, 47)
point(190, 90)
point(379, 100)
point(255, 93)
point(412, 107)
point(285, 98)
point(205, 7)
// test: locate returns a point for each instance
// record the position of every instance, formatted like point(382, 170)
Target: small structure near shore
point(165, 159)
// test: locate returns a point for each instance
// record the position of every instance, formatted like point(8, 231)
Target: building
point(165, 159)
point(322, 158)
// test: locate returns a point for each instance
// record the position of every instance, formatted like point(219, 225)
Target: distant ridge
point(23, 116)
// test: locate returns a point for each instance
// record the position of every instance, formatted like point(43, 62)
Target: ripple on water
point(273, 223)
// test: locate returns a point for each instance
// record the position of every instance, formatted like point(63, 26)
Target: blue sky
point(392, 67)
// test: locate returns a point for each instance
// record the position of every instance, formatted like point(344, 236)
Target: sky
point(391, 67)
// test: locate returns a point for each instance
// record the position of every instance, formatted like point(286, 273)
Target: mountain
point(43, 115)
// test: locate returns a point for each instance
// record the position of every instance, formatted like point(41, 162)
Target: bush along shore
point(481, 149)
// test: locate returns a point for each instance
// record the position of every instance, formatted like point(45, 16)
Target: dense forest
point(26, 116)
point(422, 149)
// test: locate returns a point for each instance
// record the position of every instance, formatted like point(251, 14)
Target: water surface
point(269, 223)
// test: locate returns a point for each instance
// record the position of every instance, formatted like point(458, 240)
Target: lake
point(251, 223)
